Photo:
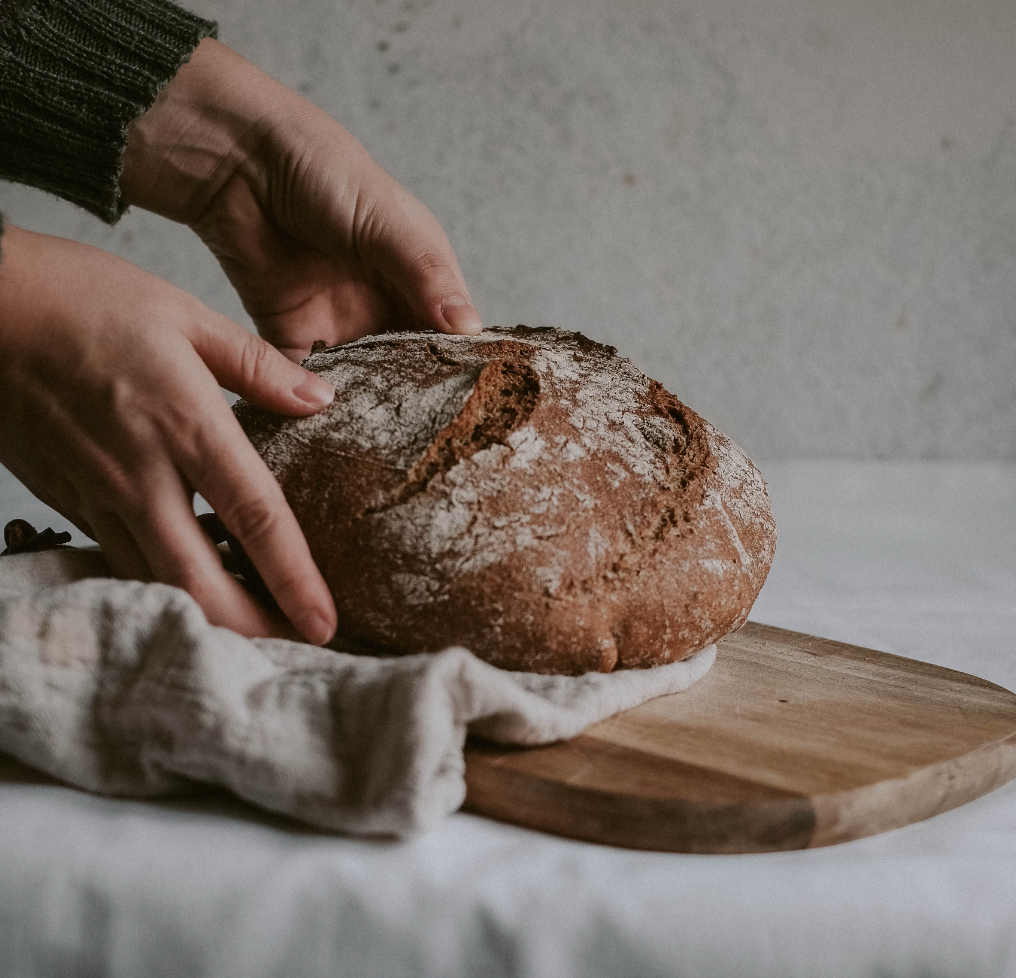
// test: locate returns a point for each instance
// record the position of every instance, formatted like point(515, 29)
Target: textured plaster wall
point(800, 216)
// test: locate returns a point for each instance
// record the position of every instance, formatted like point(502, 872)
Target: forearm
point(73, 76)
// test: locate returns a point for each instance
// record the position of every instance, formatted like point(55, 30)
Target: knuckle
point(251, 520)
point(429, 261)
point(182, 433)
point(126, 491)
point(194, 319)
point(255, 361)
point(371, 223)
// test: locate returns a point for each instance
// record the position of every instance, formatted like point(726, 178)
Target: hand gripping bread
point(525, 493)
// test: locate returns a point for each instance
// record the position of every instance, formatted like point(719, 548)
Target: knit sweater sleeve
point(73, 75)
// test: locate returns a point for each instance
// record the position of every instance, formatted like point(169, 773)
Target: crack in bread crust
point(502, 399)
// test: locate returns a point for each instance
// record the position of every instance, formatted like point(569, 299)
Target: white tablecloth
point(917, 559)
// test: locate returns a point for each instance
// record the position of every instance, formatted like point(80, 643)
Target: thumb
point(246, 365)
point(400, 238)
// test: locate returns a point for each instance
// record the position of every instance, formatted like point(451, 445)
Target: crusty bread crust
point(525, 493)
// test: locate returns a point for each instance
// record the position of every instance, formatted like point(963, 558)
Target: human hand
point(319, 242)
point(112, 415)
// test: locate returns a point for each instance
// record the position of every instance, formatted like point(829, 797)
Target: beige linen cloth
point(124, 688)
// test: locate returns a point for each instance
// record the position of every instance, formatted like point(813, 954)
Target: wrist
point(205, 125)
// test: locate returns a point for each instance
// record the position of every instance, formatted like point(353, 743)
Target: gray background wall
point(801, 217)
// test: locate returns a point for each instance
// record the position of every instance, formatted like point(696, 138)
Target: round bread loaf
point(525, 493)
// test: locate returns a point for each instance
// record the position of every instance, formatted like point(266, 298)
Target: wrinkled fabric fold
point(123, 688)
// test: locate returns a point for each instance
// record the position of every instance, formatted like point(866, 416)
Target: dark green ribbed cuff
point(73, 76)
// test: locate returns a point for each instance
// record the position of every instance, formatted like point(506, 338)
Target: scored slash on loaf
point(525, 493)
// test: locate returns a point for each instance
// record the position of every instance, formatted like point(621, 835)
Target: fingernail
point(315, 391)
point(314, 628)
point(461, 317)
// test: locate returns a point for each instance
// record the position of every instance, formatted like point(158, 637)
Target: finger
point(119, 548)
point(224, 467)
point(354, 302)
point(402, 239)
point(247, 365)
point(167, 534)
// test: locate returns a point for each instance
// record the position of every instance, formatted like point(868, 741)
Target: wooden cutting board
point(789, 742)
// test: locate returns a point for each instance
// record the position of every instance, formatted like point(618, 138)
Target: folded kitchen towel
point(123, 688)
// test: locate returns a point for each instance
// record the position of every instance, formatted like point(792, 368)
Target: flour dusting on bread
point(526, 493)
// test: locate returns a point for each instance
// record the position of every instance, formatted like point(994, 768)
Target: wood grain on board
point(789, 742)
